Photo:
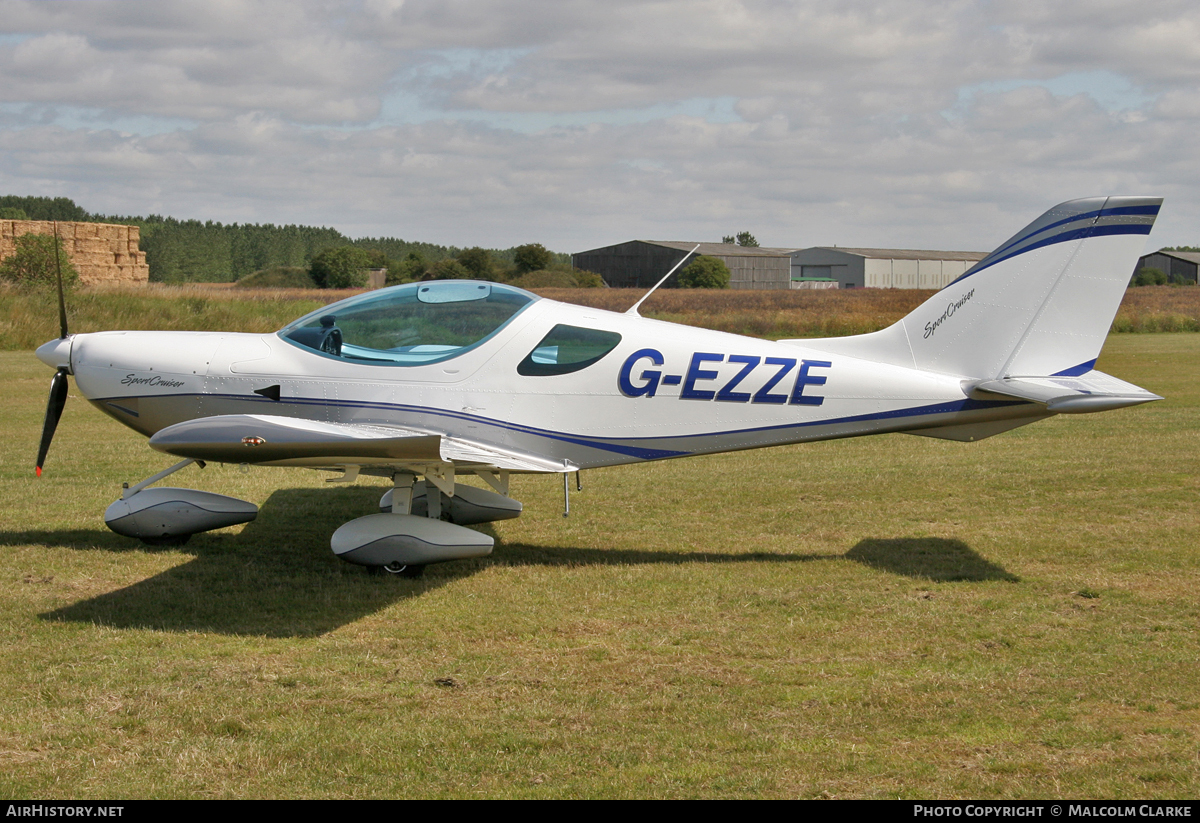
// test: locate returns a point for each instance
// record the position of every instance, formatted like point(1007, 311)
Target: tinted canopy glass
point(409, 325)
point(567, 349)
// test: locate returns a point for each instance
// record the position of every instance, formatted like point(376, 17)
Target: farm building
point(642, 263)
point(1176, 265)
point(880, 268)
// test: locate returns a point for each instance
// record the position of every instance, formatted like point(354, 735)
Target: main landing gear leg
point(402, 489)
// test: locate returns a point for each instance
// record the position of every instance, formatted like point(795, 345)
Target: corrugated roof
point(1189, 256)
point(723, 249)
point(911, 254)
point(731, 250)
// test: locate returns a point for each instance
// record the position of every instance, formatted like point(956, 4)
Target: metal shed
point(1177, 265)
point(881, 268)
point(642, 263)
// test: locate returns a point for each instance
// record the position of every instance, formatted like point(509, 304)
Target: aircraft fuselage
point(664, 391)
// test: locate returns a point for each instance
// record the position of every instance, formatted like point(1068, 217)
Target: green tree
point(35, 265)
point(13, 213)
point(478, 262)
point(46, 208)
point(585, 279)
point(705, 273)
point(532, 257)
point(412, 267)
point(1149, 277)
point(377, 257)
point(743, 238)
point(344, 267)
point(448, 269)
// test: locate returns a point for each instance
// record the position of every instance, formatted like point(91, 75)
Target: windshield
point(409, 325)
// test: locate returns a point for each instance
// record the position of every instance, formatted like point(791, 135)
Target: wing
point(269, 440)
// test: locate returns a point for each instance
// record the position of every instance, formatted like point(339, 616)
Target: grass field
point(883, 617)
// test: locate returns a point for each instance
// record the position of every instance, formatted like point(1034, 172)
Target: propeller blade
point(54, 410)
point(62, 303)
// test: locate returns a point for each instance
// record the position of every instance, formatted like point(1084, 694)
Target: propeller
point(58, 384)
point(54, 410)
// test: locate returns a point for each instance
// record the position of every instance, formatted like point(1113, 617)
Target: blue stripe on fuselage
point(616, 447)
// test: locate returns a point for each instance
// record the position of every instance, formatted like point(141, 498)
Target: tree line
point(266, 255)
point(194, 251)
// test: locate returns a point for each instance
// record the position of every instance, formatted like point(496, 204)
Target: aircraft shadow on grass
point(272, 579)
point(929, 558)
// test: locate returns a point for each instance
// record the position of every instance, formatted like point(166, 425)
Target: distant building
point(1176, 265)
point(880, 268)
point(376, 278)
point(642, 263)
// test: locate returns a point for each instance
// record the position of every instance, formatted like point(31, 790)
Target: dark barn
point(1178, 266)
point(642, 263)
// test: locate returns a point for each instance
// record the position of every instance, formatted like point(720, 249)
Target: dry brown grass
point(835, 312)
point(776, 313)
point(27, 320)
point(1159, 308)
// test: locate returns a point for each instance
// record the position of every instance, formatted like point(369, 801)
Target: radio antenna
point(634, 308)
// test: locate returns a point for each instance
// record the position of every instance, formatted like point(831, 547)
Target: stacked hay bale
point(104, 253)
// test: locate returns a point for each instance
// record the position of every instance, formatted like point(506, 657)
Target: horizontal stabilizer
point(1091, 392)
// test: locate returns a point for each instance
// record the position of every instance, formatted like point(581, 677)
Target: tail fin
point(1039, 305)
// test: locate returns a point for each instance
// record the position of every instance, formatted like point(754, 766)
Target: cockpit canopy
point(410, 325)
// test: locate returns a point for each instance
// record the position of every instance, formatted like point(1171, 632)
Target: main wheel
point(166, 540)
point(409, 571)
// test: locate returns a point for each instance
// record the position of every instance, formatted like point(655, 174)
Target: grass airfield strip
point(879, 617)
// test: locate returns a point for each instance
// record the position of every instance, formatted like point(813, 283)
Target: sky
point(577, 124)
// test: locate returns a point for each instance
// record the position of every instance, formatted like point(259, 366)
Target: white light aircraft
point(438, 380)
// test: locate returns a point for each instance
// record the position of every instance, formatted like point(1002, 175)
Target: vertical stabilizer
point(1040, 304)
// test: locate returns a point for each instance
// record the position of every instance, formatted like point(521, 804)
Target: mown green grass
point(881, 617)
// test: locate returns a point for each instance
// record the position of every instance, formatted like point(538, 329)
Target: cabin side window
point(567, 349)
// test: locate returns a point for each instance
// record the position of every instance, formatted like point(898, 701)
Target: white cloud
point(581, 123)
